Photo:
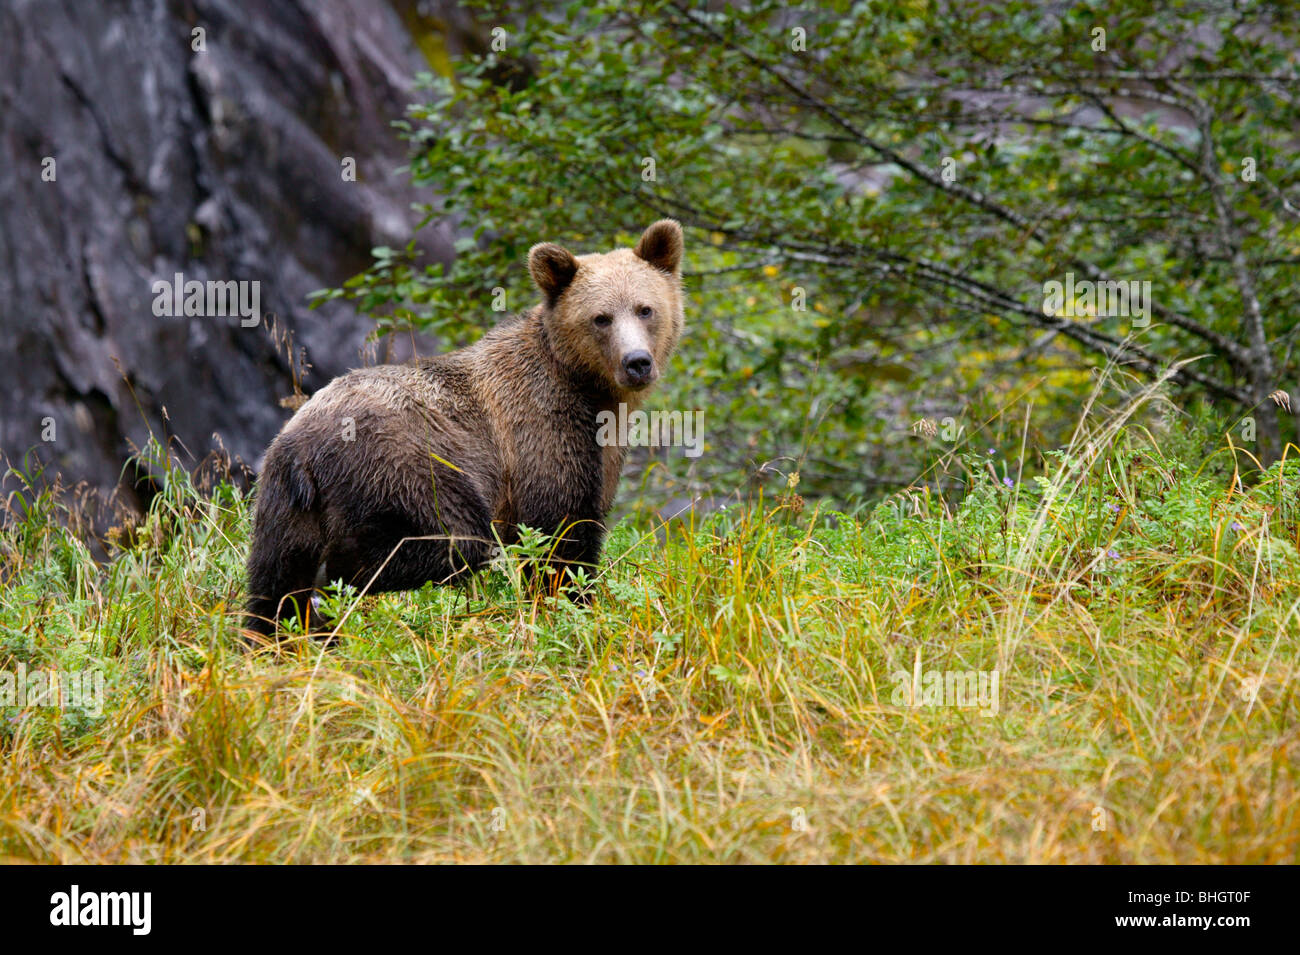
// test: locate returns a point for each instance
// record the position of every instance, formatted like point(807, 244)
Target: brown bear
point(460, 449)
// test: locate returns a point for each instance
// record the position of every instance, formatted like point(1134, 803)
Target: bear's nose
point(638, 365)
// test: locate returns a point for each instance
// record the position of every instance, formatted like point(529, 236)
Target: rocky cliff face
point(142, 139)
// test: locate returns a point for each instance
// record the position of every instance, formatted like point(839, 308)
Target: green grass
point(731, 695)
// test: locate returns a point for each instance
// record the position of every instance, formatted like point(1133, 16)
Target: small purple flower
point(992, 451)
point(1112, 553)
point(1237, 526)
point(1008, 482)
point(1113, 508)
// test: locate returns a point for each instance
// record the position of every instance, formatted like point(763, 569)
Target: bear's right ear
point(553, 268)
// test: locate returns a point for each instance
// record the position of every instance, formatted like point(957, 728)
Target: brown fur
point(464, 447)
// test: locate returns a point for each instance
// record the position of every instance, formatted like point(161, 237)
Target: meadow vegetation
point(748, 685)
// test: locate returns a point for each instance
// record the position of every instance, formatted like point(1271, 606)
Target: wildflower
point(1112, 553)
point(1237, 526)
point(1008, 482)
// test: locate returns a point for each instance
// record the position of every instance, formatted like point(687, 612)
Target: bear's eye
point(602, 321)
point(645, 311)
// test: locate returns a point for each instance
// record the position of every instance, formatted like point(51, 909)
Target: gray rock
point(221, 165)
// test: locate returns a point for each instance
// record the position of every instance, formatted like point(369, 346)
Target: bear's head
point(614, 317)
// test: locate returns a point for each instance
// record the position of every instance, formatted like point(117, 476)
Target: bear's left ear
point(661, 245)
point(553, 268)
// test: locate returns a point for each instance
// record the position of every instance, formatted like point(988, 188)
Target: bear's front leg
point(577, 544)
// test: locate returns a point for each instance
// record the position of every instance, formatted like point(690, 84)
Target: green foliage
point(818, 172)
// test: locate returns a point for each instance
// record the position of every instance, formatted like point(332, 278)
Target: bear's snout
point(638, 368)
